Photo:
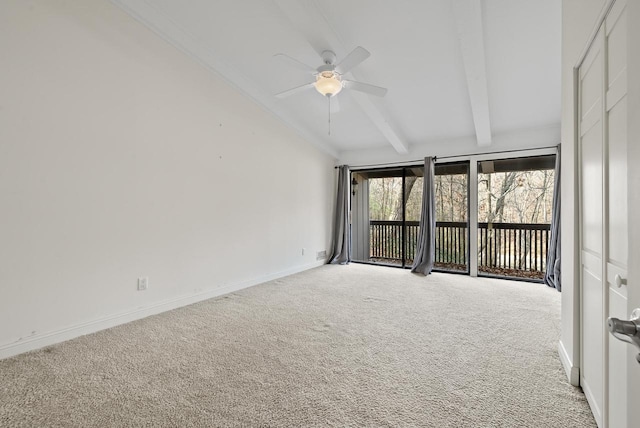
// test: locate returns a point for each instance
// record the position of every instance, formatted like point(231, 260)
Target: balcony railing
point(513, 246)
point(505, 249)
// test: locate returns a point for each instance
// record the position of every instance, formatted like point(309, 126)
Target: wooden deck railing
point(519, 246)
point(501, 246)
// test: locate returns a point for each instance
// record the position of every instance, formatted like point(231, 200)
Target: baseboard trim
point(572, 372)
point(593, 404)
point(51, 338)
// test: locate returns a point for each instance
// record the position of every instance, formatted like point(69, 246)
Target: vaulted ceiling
point(455, 70)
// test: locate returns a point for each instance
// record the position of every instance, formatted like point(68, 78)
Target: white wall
point(578, 20)
point(121, 157)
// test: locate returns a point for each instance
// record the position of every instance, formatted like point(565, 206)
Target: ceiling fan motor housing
point(328, 57)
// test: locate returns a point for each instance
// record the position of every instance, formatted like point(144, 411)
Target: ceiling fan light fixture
point(328, 83)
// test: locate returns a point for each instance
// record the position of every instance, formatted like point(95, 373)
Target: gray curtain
point(341, 249)
point(552, 274)
point(426, 247)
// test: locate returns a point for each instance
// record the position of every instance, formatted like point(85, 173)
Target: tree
point(409, 182)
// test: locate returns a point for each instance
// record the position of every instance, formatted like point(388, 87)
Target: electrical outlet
point(143, 283)
point(321, 255)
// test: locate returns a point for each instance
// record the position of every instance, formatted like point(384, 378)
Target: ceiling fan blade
point(354, 58)
point(366, 88)
point(295, 90)
point(294, 62)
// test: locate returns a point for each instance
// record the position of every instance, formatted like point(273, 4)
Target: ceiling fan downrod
point(329, 57)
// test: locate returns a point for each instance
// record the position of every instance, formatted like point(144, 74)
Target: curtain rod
point(435, 158)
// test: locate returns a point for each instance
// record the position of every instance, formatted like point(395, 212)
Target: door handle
point(619, 281)
point(627, 331)
point(627, 328)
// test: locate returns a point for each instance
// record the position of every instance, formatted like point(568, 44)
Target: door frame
point(599, 42)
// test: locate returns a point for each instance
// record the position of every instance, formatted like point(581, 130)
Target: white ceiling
point(453, 68)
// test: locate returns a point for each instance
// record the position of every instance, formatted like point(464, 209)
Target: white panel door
point(591, 149)
point(616, 249)
point(604, 218)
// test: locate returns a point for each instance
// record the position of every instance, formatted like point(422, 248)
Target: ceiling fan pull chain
point(329, 97)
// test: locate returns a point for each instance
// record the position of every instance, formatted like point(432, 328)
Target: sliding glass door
point(514, 215)
point(385, 213)
point(452, 220)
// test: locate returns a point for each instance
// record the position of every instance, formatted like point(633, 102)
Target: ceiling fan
point(328, 77)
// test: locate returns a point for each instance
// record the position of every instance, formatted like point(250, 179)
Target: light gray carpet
point(340, 346)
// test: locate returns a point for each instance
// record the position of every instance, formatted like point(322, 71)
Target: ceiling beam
point(468, 17)
point(308, 20)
